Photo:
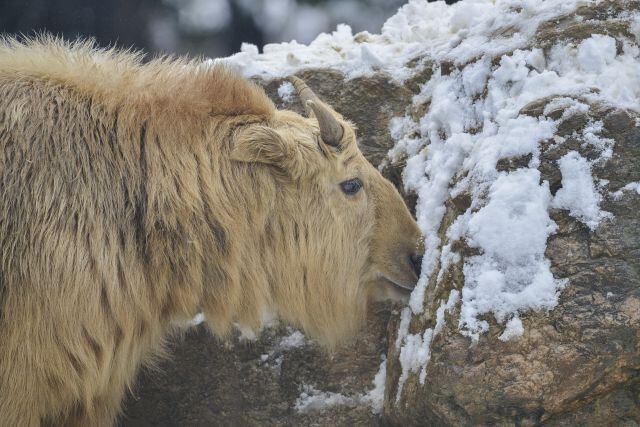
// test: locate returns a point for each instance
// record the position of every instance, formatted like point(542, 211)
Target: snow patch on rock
point(415, 353)
point(511, 275)
point(578, 193)
point(285, 91)
point(633, 187)
point(475, 119)
point(295, 339)
point(311, 399)
point(459, 33)
point(513, 329)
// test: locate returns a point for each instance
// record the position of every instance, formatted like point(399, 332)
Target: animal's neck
point(204, 216)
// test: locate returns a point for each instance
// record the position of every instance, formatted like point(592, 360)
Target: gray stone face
point(207, 382)
point(578, 364)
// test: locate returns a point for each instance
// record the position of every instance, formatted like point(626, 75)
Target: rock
point(257, 383)
point(578, 364)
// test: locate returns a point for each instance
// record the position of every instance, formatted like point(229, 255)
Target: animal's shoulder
point(165, 85)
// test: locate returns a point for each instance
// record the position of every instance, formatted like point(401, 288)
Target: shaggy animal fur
point(136, 195)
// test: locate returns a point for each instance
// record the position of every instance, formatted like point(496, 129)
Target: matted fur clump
point(137, 195)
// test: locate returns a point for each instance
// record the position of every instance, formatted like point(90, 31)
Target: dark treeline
point(151, 25)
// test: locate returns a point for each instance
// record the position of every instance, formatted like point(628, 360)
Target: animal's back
point(69, 169)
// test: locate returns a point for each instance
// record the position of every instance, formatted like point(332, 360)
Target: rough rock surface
point(578, 364)
point(257, 383)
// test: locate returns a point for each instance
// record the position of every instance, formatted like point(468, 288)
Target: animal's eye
point(351, 186)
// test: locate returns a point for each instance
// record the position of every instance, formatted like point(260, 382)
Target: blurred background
point(211, 28)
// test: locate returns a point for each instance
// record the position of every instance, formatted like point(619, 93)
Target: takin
point(138, 194)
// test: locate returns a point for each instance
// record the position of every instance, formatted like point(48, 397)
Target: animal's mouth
point(404, 288)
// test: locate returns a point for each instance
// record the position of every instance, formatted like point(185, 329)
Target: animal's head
point(342, 231)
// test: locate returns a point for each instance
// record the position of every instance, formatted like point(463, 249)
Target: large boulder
point(579, 363)
point(574, 360)
point(576, 364)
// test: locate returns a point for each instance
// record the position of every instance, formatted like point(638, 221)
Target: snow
point(512, 274)
point(578, 193)
point(403, 329)
point(375, 397)
point(402, 130)
point(416, 351)
point(275, 355)
point(312, 399)
point(295, 339)
point(197, 319)
point(595, 53)
point(594, 63)
point(246, 333)
point(285, 92)
point(459, 32)
point(591, 136)
point(513, 329)
point(630, 187)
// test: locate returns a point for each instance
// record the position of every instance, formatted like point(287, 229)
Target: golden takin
point(136, 195)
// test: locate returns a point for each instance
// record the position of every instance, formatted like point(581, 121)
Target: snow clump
point(311, 399)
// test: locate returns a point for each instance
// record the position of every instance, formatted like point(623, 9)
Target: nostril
point(416, 263)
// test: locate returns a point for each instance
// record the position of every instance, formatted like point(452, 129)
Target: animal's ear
point(262, 144)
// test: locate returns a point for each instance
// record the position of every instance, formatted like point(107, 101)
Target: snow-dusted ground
point(311, 399)
point(473, 121)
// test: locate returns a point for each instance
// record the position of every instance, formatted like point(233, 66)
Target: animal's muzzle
point(415, 261)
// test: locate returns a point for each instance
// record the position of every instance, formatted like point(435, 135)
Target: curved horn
point(304, 92)
point(330, 130)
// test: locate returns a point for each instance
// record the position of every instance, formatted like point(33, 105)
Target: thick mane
point(163, 87)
